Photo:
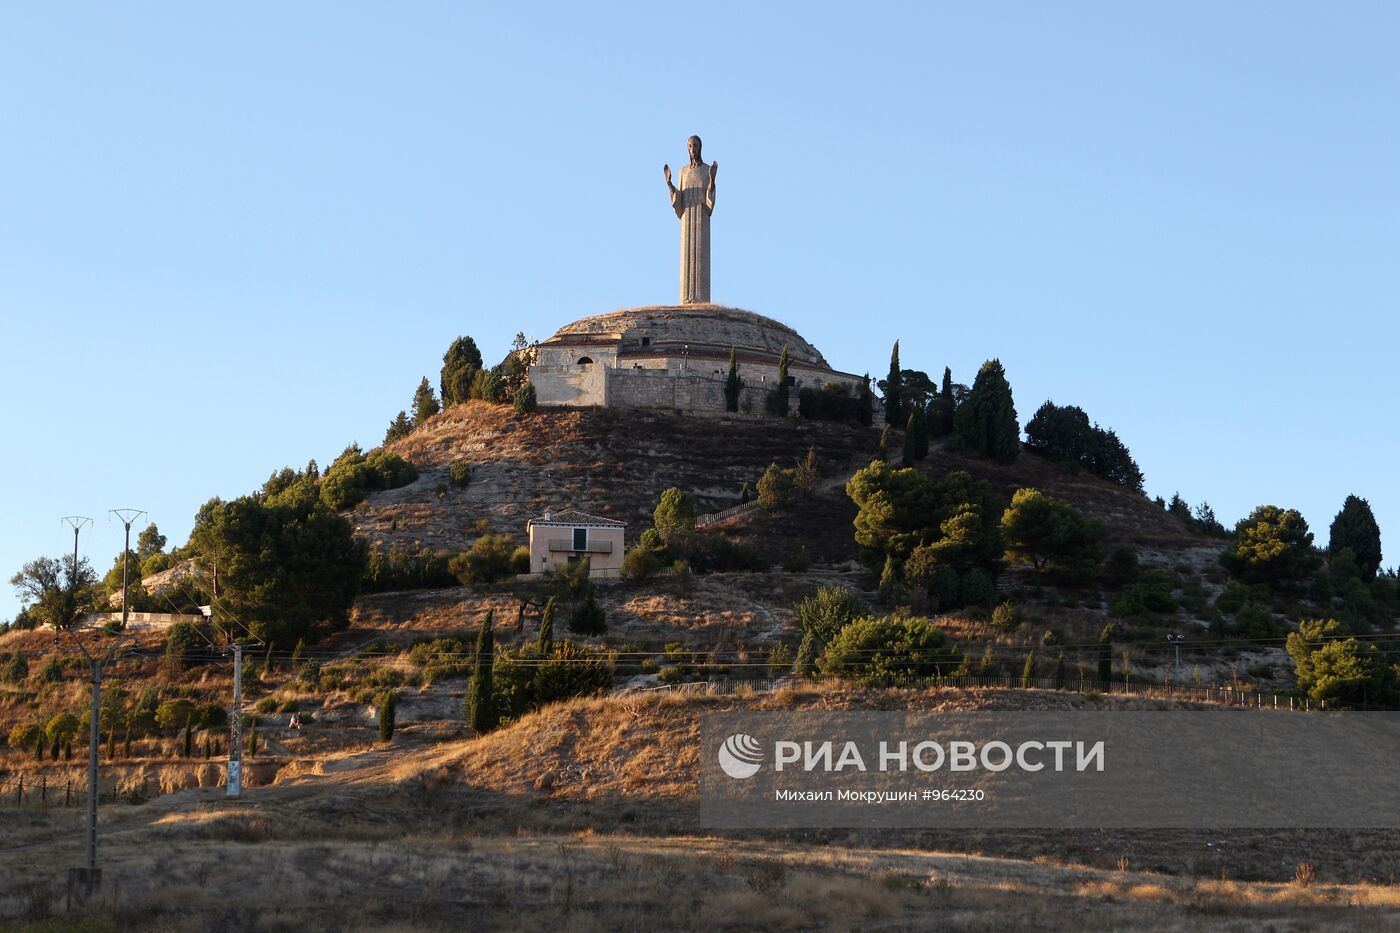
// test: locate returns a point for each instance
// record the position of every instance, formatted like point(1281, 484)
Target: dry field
point(583, 817)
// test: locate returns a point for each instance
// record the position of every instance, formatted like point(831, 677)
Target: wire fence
point(22, 790)
point(1221, 694)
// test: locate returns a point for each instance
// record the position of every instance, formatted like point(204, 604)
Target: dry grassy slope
point(617, 463)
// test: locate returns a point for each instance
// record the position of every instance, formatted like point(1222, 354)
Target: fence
point(714, 518)
point(21, 790)
point(1212, 693)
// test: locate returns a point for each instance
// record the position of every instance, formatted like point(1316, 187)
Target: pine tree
point(1355, 528)
point(733, 383)
point(399, 427)
point(481, 702)
point(1028, 671)
point(783, 393)
point(547, 628)
point(986, 420)
point(425, 403)
point(388, 714)
point(894, 390)
point(588, 617)
point(525, 399)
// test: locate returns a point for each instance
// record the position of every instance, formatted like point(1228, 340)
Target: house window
point(646, 341)
point(580, 539)
point(585, 361)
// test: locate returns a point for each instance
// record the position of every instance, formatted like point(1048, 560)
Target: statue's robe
point(693, 203)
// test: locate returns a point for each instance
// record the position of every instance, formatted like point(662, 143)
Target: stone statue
point(694, 202)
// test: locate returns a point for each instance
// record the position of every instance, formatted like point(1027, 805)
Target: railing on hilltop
point(713, 518)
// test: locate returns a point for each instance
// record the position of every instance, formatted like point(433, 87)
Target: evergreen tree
point(399, 427)
point(546, 642)
point(252, 736)
point(425, 403)
point(481, 703)
point(525, 400)
point(941, 425)
point(745, 494)
point(894, 390)
point(1061, 674)
point(986, 420)
point(459, 366)
point(588, 617)
point(884, 450)
point(674, 513)
point(865, 403)
point(911, 440)
point(805, 477)
point(733, 383)
point(1355, 528)
point(889, 579)
point(1028, 671)
point(189, 739)
point(783, 377)
point(1106, 653)
point(388, 714)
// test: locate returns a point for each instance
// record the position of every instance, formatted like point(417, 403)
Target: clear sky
point(234, 237)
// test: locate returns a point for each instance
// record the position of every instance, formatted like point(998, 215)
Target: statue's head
point(693, 146)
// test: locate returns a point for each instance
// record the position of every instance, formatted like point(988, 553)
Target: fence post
point(44, 789)
point(19, 791)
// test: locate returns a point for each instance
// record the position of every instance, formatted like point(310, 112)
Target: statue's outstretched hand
point(667, 170)
point(714, 170)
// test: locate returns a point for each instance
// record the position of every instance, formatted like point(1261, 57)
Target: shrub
point(640, 564)
point(530, 677)
point(16, 669)
point(491, 558)
point(977, 588)
point(174, 715)
point(524, 399)
point(774, 487)
point(714, 552)
point(399, 569)
point(889, 651)
point(779, 660)
point(52, 671)
point(587, 617)
point(1122, 566)
point(26, 735)
point(388, 715)
point(799, 561)
point(675, 513)
point(461, 473)
point(1004, 616)
point(821, 616)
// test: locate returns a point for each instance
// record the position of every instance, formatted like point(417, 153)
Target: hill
point(582, 816)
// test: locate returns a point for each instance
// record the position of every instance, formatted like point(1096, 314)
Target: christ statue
point(693, 203)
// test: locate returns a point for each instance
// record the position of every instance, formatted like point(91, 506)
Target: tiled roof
point(575, 517)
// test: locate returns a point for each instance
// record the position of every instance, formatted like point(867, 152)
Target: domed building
point(676, 357)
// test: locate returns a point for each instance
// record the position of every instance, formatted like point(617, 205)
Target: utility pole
point(235, 728)
point(126, 517)
point(78, 522)
point(1176, 641)
point(87, 878)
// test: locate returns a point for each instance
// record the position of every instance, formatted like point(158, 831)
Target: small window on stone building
point(646, 341)
point(585, 361)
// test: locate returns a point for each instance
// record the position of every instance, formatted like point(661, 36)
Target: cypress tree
point(189, 741)
point(865, 403)
point(112, 744)
point(1028, 671)
point(911, 441)
point(745, 494)
point(1106, 654)
point(1355, 527)
point(39, 747)
point(986, 420)
point(1060, 672)
point(459, 366)
point(252, 736)
point(388, 713)
point(783, 383)
point(481, 705)
point(733, 383)
point(547, 628)
point(894, 390)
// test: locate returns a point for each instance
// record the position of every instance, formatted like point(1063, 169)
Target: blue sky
point(234, 239)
